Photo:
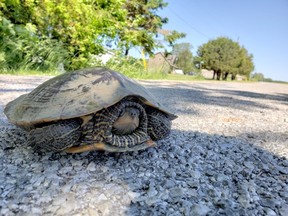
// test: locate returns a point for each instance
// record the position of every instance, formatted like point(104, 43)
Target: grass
point(141, 75)
point(184, 77)
point(29, 73)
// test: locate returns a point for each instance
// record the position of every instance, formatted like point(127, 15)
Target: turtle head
point(127, 121)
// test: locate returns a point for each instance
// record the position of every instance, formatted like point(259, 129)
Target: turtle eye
point(134, 113)
point(121, 113)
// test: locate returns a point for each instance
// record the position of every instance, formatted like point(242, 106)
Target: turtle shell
point(76, 94)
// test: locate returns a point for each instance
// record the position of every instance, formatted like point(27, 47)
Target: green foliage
point(246, 65)
point(133, 68)
point(21, 49)
point(184, 56)
point(224, 57)
point(173, 36)
point(85, 26)
point(169, 37)
point(141, 25)
point(257, 77)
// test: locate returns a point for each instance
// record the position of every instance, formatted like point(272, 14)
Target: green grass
point(135, 75)
point(138, 75)
point(29, 73)
point(184, 77)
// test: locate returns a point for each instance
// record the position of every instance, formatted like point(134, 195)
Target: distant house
point(164, 63)
point(208, 74)
point(103, 58)
point(178, 71)
point(241, 78)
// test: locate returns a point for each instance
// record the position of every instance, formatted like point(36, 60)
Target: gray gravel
point(227, 155)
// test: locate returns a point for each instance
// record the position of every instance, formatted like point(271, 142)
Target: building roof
point(170, 59)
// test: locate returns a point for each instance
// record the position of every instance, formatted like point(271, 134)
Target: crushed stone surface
point(227, 155)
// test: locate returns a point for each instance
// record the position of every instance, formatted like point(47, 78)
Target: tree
point(80, 25)
point(246, 65)
point(141, 24)
point(258, 77)
point(225, 57)
point(184, 56)
point(171, 36)
point(85, 26)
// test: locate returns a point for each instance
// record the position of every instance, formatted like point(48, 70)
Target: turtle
point(91, 109)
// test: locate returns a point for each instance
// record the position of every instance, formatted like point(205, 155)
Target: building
point(102, 58)
point(161, 62)
point(207, 74)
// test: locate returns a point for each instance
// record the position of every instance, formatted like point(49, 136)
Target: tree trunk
point(225, 75)
point(126, 51)
point(233, 77)
point(214, 73)
point(218, 75)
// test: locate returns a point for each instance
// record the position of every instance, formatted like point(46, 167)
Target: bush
point(22, 49)
point(133, 68)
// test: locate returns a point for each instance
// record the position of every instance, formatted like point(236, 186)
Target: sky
point(261, 26)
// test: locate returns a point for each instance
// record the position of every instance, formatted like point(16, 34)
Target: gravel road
point(227, 155)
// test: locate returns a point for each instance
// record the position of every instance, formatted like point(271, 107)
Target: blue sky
point(261, 26)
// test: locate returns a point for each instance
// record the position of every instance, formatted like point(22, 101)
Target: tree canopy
point(225, 57)
point(84, 27)
point(184, 56)
point(258, 77)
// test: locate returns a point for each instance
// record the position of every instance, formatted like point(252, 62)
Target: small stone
point(4, 211)
point(283, 170)
point(285, 163)
point(270, 212)
point(77, 163)
point(59, 200)
point(92, 211)
point(169, 183)
point(102, 197)
point(132, 195)
point(104, 207)
point(195, 174)
point(193, 184)
point(36, 211)
point(176, 192)
point(266, 202)
point(68, 205)
point(152, 191)
point(91, 167)
point(249, 165)
point(151, 200)
point(52, 208)
point(199, 209)
point(283, 210)
point(210, 173)
point(244, 200)
point(67, 187)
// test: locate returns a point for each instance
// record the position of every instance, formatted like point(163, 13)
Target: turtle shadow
point(209, 94)
point(189, 172)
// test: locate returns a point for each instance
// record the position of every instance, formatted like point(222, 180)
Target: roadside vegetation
point(40, 35)
point(49, 38)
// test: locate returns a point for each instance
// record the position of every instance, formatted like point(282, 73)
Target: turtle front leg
point(57, 136)
point(159, 125)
